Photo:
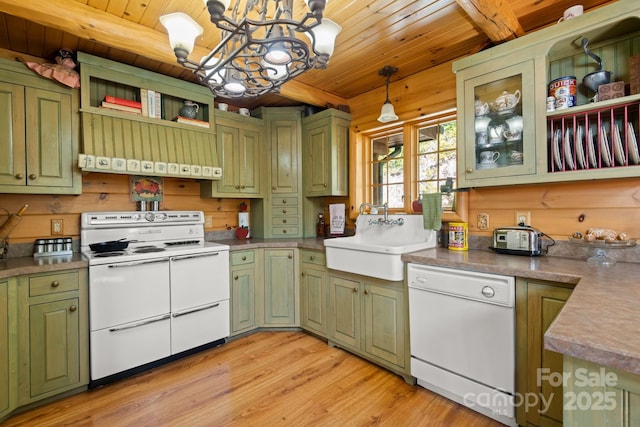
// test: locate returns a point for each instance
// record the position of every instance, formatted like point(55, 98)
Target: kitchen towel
point(336, 218)
point(432, 211)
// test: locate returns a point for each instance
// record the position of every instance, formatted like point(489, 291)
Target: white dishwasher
point(462, 334)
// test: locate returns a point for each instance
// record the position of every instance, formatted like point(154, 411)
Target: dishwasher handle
point(488, 292)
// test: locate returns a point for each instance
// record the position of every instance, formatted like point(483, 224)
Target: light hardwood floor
point(264, 379)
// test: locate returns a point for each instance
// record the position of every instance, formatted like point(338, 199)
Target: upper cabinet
point(158, 131)
point(39, 133)
point(507, 135)
point(325, 137)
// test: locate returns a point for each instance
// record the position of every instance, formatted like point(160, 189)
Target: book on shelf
point(122, 101)
point(119, 107)
point(195, 122)
point(144, 100)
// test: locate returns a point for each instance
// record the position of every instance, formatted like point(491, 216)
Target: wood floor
point(265, 379)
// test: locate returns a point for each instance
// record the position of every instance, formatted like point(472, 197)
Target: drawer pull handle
point(55, 284)
point(284, 231)
point(284, 202)
point(312, 257)
point(284, 221)
point(244, 258)
point(284, 211)
point(73, 308)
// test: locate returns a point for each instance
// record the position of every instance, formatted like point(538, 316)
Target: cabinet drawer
point(285, 201)
point(285, 220)
point(313, 257)
point(285, 231)
point(242, 257)
point(284, 210)
point(53, 283)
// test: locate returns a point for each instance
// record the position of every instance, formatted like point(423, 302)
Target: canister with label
point(458, 236)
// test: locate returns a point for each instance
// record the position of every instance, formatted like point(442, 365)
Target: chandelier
point(261, 46)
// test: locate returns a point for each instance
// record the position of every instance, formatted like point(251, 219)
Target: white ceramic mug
point(572, 12)
point(488, 157)
point(222, 106)
point(244, 111)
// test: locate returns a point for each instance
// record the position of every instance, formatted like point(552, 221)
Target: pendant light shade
point(387, 114)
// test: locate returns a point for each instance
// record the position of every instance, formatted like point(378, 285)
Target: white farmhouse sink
point(376, 248)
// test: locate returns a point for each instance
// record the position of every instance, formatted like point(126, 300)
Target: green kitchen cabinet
point(245, 302)
point(240, 147)
point(325, 138)
point(53, 334)
point(39, 134)
point(368, 317)
point(313, 291)
point(8, 347)
point(596, 395)
point(280, 287)
point(537, 305)
point(502, 104)
point(279, 214)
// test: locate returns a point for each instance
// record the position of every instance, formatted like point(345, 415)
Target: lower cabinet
point(595, 395)
point(7, 351)
point(537, 305)
point(314, 280)
point(53, 334)
point(244, 277)
point(279, 287)
point(368, 317)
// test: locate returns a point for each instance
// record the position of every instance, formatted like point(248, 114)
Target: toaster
point(519, 240)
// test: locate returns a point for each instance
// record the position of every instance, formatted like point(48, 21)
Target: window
point(410, 159)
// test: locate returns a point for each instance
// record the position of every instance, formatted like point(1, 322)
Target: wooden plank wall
point(556, 209)
point(109, 192)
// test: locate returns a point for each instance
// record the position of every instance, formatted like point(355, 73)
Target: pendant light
point(387, 114)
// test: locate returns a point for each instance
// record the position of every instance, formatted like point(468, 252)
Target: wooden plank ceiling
point(412, 35)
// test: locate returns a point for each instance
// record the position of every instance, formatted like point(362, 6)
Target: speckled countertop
point(601, 320)
point(599, 323)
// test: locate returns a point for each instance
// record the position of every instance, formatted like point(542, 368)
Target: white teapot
point(482, 108)
point(506, 100)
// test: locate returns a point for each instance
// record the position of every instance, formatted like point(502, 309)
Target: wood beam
point(92, 24)
point(494, 17)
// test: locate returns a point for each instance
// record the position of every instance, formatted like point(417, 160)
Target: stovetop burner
point(183, 242)
point(109, 254)
point(148, 249)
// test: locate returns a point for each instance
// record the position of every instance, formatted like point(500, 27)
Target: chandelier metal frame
point(240, 55)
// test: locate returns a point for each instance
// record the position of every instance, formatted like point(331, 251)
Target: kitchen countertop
point(29, 265)
point(601, 320)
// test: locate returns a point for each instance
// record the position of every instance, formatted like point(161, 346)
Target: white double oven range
point(165, 294)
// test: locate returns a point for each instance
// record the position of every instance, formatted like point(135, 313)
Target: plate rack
point(595, 136)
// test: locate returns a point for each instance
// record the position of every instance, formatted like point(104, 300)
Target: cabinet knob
point(284, 220)
point(469, 170)
point(284, 231)
point(284, 202)
point(244, 258)
point(302, 274)
point(237, 187)
point(290, 256)
point(284, 211)
point(243, 187)
point(312, 257)
point(274, 187)
point(55, 284)
point(355, 290)
point(33, 176)
point(73, 308)
point(366, 292)
point(19, 176)
point(235, 277)
point(324, 185)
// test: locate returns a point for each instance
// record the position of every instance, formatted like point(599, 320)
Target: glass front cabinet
point(508, 133)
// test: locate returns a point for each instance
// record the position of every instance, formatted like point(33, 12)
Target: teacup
point(222, 106)
point(572, 12)
point(516, 156)
point(489, 157)
point(243, 111)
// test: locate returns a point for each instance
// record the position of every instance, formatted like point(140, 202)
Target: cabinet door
point(313, 292)
point(249, 166)
point(279, 287)
point(227, 141)
point(498, 125)
point(384, 323)
point(284, 156)
point(4, 349)
point(344, 320)
point(54, 345)
point(317, 157)
point(12, 148)
point(243, 299)
point(49, 138)
point(534, 314)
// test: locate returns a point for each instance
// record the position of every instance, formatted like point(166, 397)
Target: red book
point(121, 101)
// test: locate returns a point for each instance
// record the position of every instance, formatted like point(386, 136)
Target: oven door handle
point(195, 310)
point(137, 325)
point(136, 263)
point(182, 257)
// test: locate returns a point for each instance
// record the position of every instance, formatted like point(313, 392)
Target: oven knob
point(162, 216)
point(149, 216)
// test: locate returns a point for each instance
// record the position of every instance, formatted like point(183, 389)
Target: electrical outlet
point(56, 227)
point(483, 221)
point(523, 217)
point(208, 221)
